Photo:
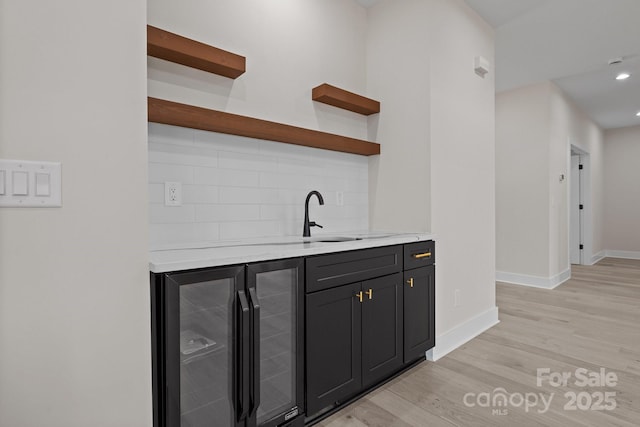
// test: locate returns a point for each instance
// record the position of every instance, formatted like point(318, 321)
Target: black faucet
point(306, 228)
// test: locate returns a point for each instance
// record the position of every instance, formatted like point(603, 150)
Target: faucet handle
point(313, 224)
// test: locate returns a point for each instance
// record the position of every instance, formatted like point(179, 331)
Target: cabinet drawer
point(328, 271)
point(419, 254)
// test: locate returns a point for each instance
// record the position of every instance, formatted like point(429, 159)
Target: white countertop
point(253, 250)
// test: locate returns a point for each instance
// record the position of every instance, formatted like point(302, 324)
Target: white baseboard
point(459, 335)
point(622, 254)
point(534, 281)
point(598, 257)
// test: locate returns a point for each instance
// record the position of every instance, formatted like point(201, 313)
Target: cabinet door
point(277, 288)
point(201, 386)
point(419, 312)
point(381, 328)
point(333, 346)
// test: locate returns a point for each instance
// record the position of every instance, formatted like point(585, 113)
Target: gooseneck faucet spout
point(306, 229)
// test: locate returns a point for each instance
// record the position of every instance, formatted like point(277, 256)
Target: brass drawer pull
point(359, 296)
point(370, 293)
point(422, 255)
point(410, 282)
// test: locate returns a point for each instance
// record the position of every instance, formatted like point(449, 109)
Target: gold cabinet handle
point(410, 282)
point(422, 255)
point(370, 293)
point(359, 296)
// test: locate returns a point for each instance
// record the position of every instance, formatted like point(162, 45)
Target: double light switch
point(30, 184)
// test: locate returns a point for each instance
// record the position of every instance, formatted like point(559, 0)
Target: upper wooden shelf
point(172, 47)
point(176, 114)
point(341, 98)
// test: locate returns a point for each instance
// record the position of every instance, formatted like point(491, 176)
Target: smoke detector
point(616, 61)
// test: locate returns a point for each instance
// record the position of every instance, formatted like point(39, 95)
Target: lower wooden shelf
point(189, 116)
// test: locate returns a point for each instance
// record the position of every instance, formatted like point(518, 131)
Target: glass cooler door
point(201, 386)
point(277, 289)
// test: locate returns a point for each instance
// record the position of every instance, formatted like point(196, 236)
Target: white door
point(575, 226)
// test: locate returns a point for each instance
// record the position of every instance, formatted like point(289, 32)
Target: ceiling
point(569, 42)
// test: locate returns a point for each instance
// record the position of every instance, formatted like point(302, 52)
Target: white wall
point(398, 70)
point(522, 193)
point(463, 165)
point(236, 187)
point(436, 170)
point(74, 286)
point(621, 178)
point(535, 126)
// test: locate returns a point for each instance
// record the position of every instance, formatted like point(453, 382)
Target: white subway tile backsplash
point(170, 134)
point(300, 166)
point(282, 212)
point(159, 214)
point(191, 156)
point(239, 178)
point(238, 195)
point(279, 180)
point(235, 187)
point(249, 229)
point(356, 185)
point(160, 173)
point(164, 235)
point(226, 177)
point(293, 196)
point(206, 176)
point(156, 193)
point(227, 213)
point(223, 142)
point(247, 161)
point(199, 194)
point(353, 198)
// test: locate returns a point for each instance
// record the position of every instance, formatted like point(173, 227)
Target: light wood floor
point(592, 321)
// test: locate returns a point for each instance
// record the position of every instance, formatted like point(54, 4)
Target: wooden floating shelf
point(172, 47)
point(176, 114)
point(341, 98)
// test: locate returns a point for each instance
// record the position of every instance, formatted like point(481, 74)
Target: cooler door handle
point(244, 329)
point(255, 352)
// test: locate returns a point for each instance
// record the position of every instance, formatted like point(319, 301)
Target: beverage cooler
point(228, 346)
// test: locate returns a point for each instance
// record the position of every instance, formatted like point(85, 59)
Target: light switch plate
point(30, 184)
point(3, 173)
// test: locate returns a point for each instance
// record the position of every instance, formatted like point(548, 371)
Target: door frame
point(586, 229)
point(576, 219)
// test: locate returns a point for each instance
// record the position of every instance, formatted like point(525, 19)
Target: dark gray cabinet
point(370, 313)
point(334, 346)
point(419, 299)
point(381, 328)
point(354, 339)
point(354, 323)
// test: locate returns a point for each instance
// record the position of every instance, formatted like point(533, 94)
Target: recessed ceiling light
point(623, 76)
point(638, 114)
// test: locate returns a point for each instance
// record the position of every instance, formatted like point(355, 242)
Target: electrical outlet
point(173, 194)
point(456, 298)
point(340, 198)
